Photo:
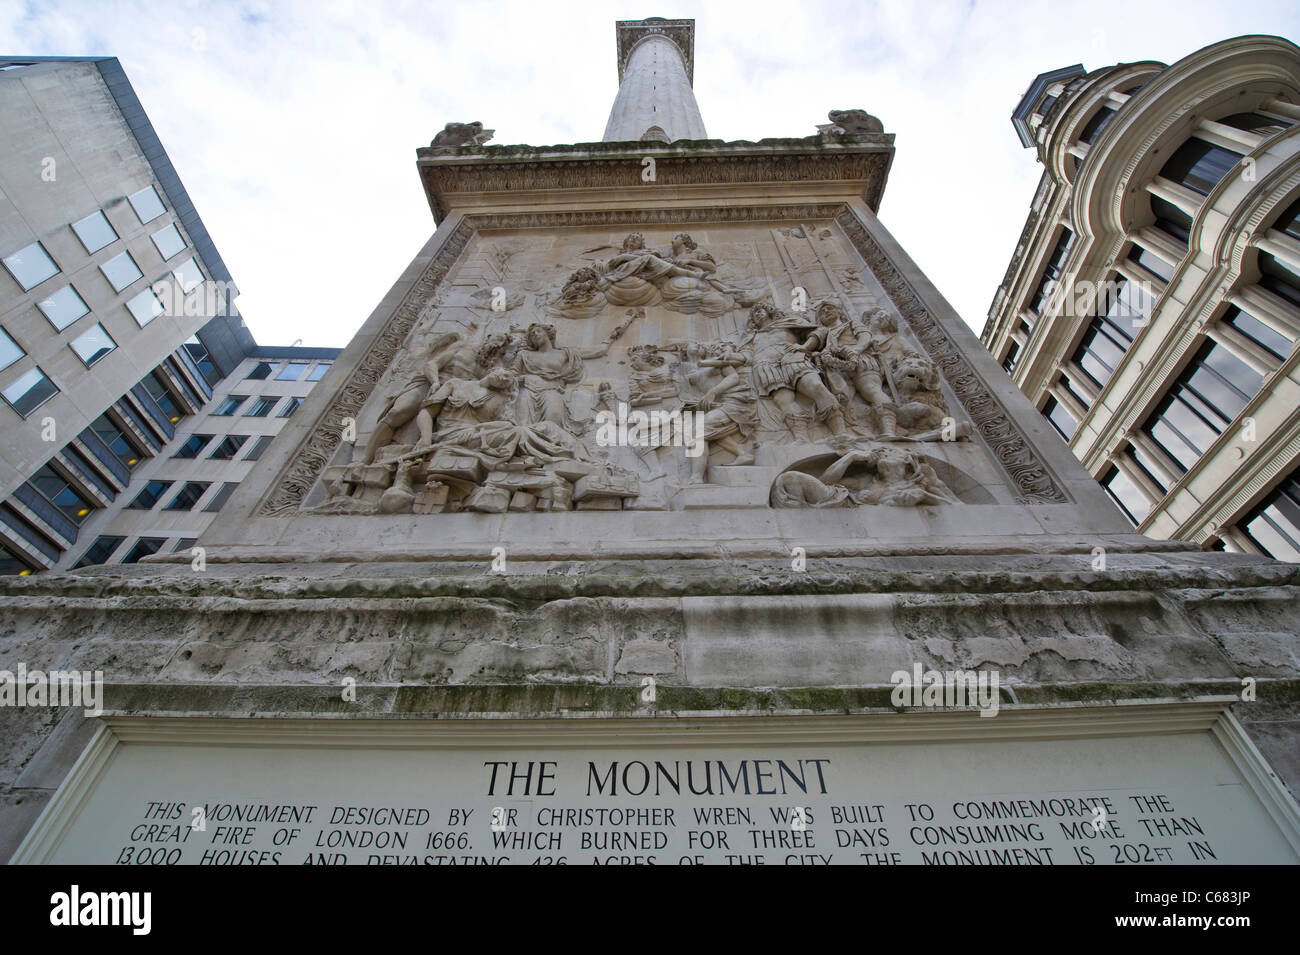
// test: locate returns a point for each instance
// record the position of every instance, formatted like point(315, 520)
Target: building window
point(9, 350)
point(1060, 418)
point(1171, 220)
point(229, 405)
point(199, 353)
point(318, 372)
point(31, 266)
point(1151, 262)
point(188, 275)
point(11, 564)
point(31, 534)
point(1279, 346)
point(1051, 271)
point(93, 344)
point(29, 391)
point(260, 445)
point(229, 447)
point(1127, 495)
point(143, 548)
point(146, 204)
point(1009, 363)
point(94, 231)
point(192, 446)
point(116, 440)
point(261, 407)
point(121, 271)
point(56, 489)
point(259, 372)
point(145, 307)
point(63, 307)
point(1201, 404)
point(219, 499)
point(168, 241)
point(290, 407)
point(162, 396)
point(1256, 123)
point(291, 371)
point(1279, 280)
point(100, 551)
point(1099, 121)
point(1100, 350)
point(188, 496)
point(149, 495)
point(185, 543)
point(1273, 525)
point(1199, 165)
point(1288, 221)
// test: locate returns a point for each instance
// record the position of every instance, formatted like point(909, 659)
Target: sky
point(294, 123)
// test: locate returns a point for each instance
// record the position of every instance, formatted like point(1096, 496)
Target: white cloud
point(294, 124)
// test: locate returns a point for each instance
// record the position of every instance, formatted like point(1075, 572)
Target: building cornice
point(525, 173)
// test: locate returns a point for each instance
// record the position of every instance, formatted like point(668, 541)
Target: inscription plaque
point(761, 792)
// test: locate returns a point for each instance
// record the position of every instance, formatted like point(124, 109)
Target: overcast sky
point(294, 123)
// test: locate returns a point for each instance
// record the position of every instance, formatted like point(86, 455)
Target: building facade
point(662, 512)
point(174, 494)
point(1152, 306)
point(117, 317)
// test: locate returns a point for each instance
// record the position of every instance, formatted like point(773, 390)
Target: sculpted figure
point(855, 122)
point(454, 135)
point(408, 402)
point(893, 477)
point(700, 292)
point(581, 297)
point(461, 358)
point(854, 355)
point(921, 406)
point(729, 406)
point(475, 420)
point(548, 369)
point(782, 369)
point(633, 276)
point(652, 379)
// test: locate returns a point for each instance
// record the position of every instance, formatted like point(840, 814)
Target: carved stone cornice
point(1017, 455)
point(519, 170)
point(652, 217)
point(311, 456)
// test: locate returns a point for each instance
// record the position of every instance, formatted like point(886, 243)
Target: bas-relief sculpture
point(500, 416)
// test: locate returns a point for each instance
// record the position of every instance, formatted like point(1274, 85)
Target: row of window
point(53, 492)
point(1196, 165)
point(104, 548)
point(33, 265)
point(260, 407)
point(291, 370)
point(226, 449)
point(64, 306)
point(33, 388)
point(184, 499)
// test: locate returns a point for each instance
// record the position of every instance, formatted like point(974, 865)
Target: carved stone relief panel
point(654, 368)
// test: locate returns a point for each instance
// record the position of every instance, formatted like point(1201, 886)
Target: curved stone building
point(1151, 308)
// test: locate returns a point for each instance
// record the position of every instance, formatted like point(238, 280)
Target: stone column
point(655, 92)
